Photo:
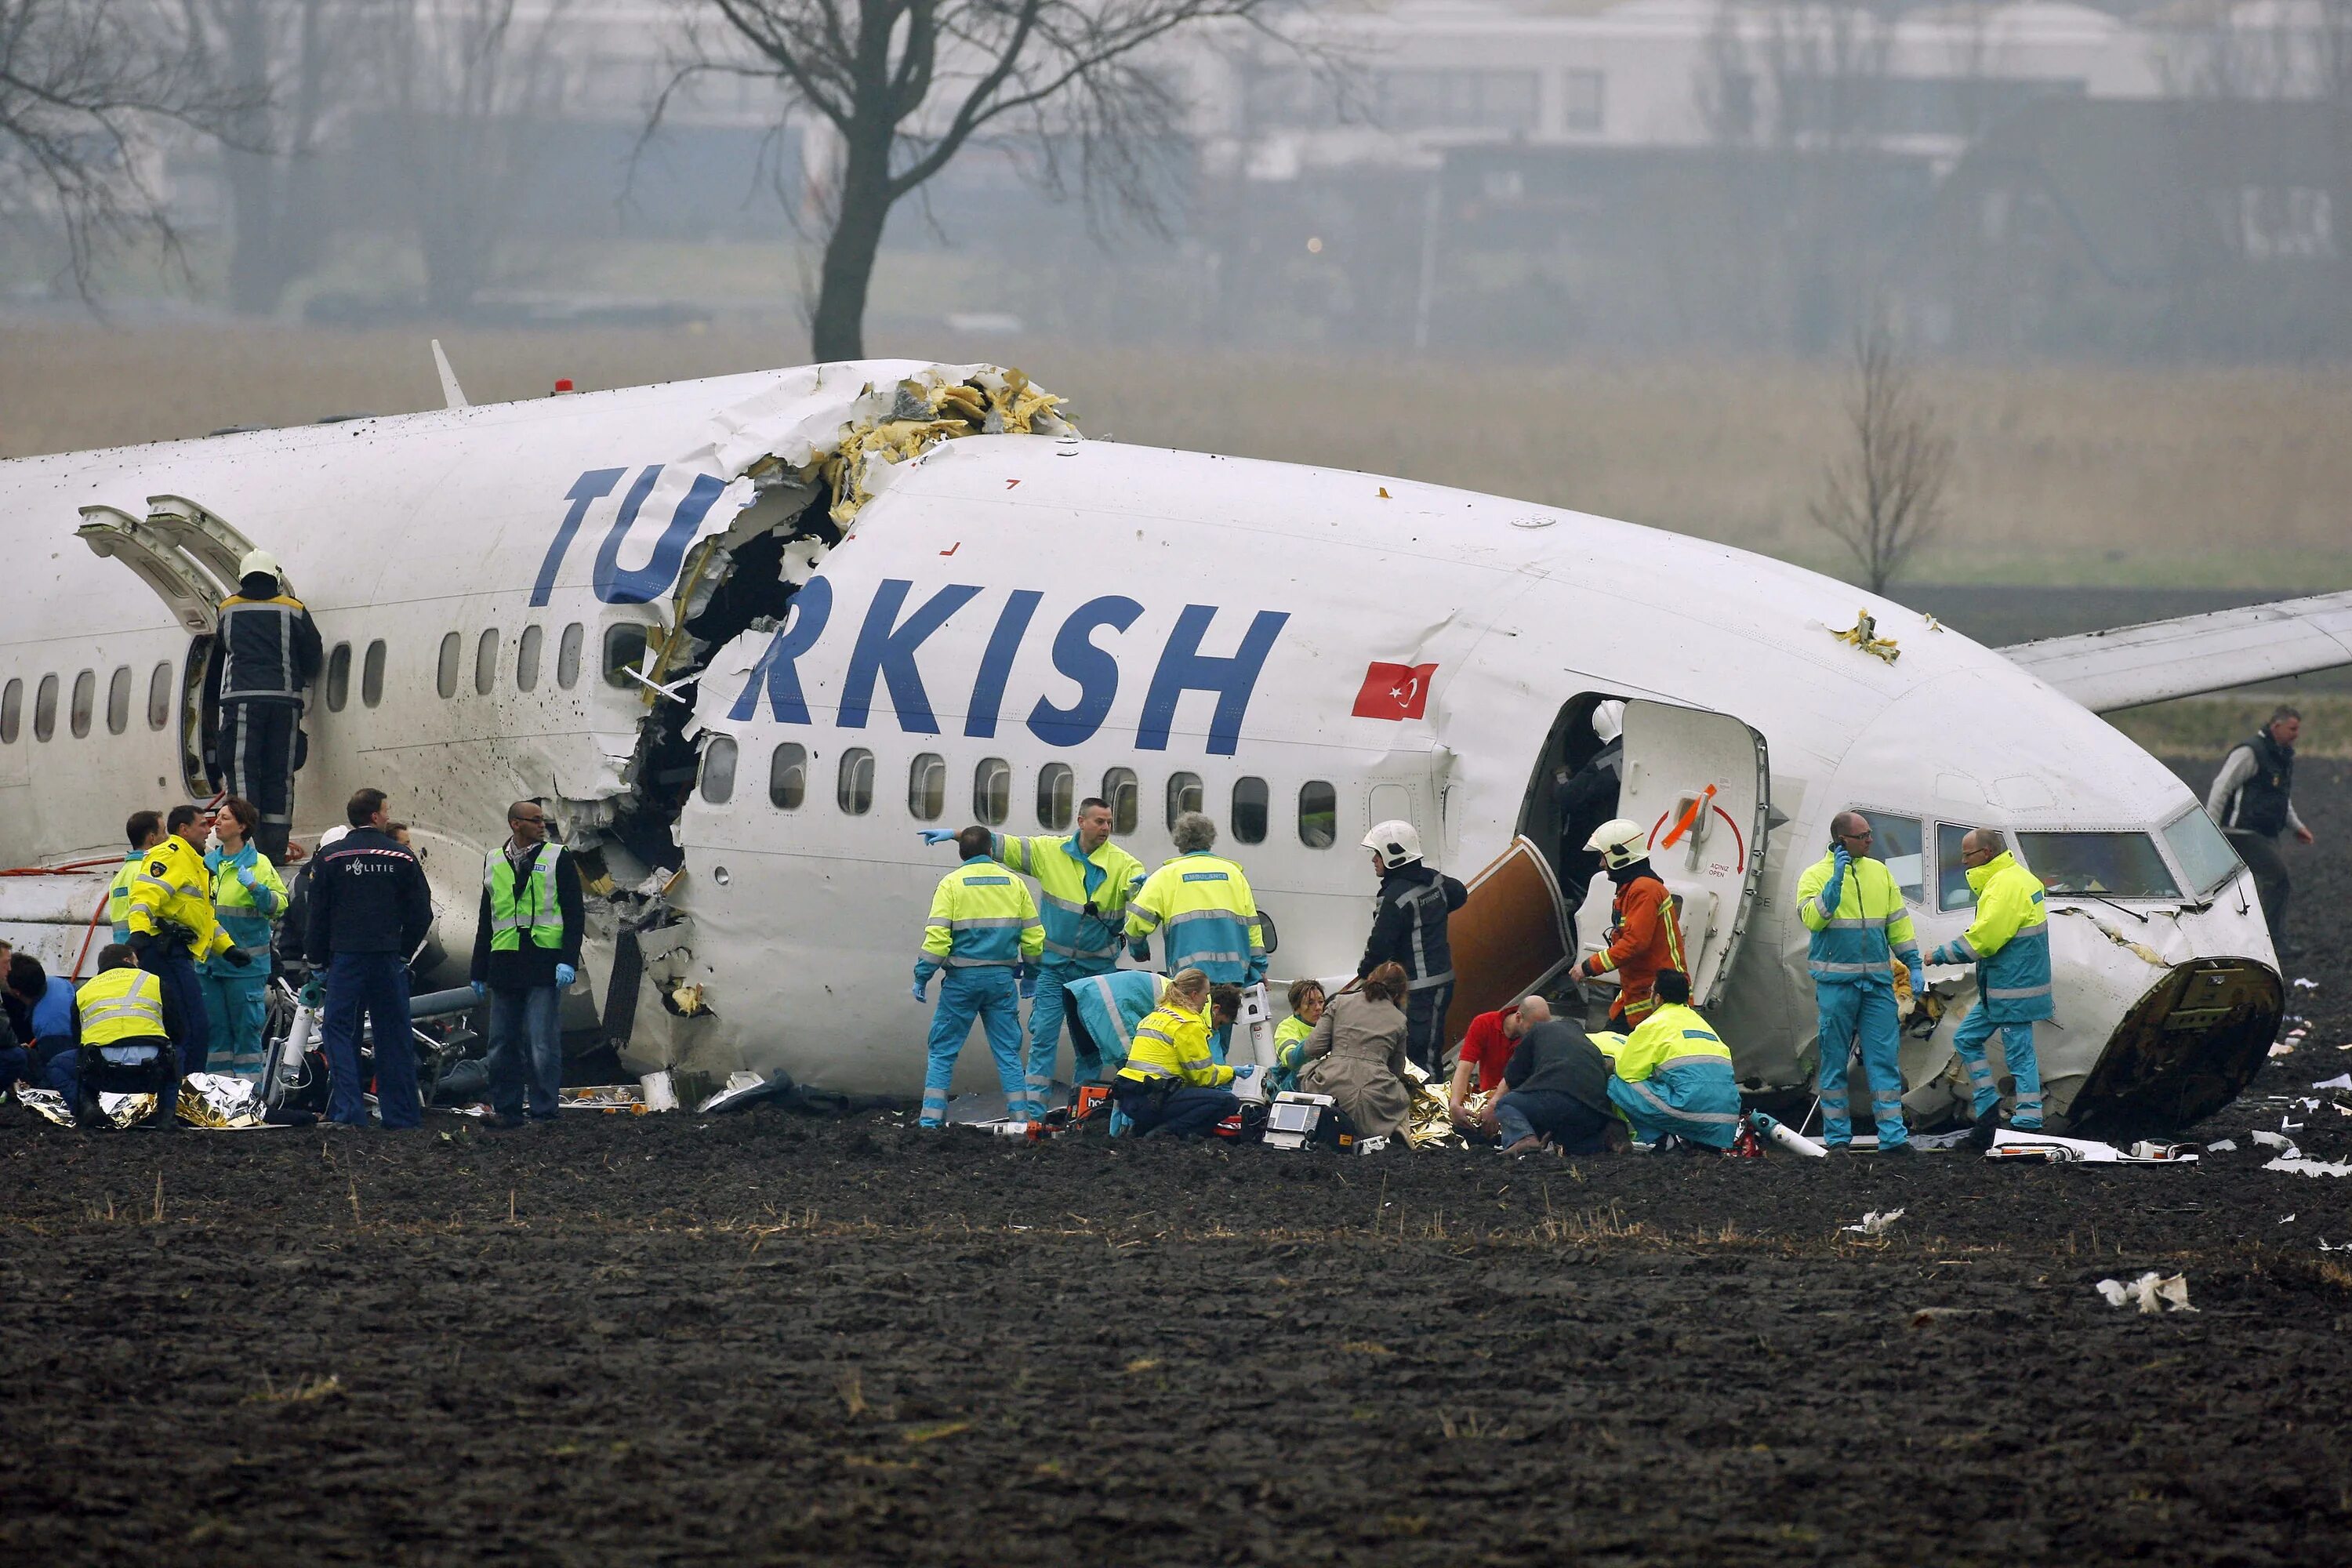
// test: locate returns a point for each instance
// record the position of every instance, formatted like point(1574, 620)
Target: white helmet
point(1395, 841)
point(1619, 843)
point(1609, 720)
point(261, 562)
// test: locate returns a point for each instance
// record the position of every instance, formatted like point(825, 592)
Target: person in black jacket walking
point(526, 955)
point(370, 910)
point(2253, 798)
point(1409, 927)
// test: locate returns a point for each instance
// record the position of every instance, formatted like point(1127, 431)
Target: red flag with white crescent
point(1394, 690)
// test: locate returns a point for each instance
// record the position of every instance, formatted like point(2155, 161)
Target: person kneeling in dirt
point(1673, 1076)
point(1172, 1082)
point(125, 1021)
point(1357, 1055)
point(1556, 1088)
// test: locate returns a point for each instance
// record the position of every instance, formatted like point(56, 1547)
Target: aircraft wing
point(2156, 660)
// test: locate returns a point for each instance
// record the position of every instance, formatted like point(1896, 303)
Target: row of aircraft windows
point(81, 711)
point(992, 792)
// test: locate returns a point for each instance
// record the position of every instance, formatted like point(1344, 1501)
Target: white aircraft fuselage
point(1297, 651)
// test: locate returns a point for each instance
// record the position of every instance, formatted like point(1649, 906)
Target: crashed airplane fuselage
point(744, 636)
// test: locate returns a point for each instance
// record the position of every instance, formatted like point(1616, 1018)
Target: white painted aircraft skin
point(805, 922)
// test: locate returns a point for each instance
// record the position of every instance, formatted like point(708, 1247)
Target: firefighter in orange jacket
point(1643, 936)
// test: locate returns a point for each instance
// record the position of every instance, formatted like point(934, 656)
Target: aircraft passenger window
point(118, 701)
point(12, 713)
point(567, 657)
point(1120, 789)
point(445, 678)
point(527, 658)
point(1250, 800)
point(991, 790)
point(1057, 797)
point(372, 674)
point(45, 708)
point(1318, 815)
point(159, 695)
point(788, 776)
point(486, 662)
point(624, 650)
point(1951, 876)
point(854, 790)
point(85, 699)
point(339, 677)
point(927, 786)
point(1185, 795)
point(719, 769)
point(1898, 841)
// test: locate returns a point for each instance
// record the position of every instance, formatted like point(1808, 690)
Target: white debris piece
point(2285, 1146)
point(1876, 1222)
point(2151, 1292)
point(2225, 1146)
point(2303, 985)
point(2289, 1220)
point(2341, 1080)
point(2007, 1144)
point(2294, 1161)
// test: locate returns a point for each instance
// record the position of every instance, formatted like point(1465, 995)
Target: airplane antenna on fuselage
point(453, 396)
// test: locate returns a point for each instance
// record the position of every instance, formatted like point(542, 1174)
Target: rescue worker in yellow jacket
point(1673, 1075)
point(1204, 911)
point(173, 928)
point(143, 832)
point(1861, 936)
point(124, 1023)
point(2009, 944)
point(983, 927)
point(1172, 1082)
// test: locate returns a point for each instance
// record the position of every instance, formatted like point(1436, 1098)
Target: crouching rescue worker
point(125, 1020)
point(1109, 1007)
point(1554, 1092)
point(983, 924)
point(1673, 1075)
point(1084, 881)
point(174, 929)
point(526, 955)
point(1852, 906)
point(1643, 937)
point(248, 897)
point(1487, 1050)
point(2009, 945)
point(1202, 908)
point(269, 652)
point(1172, 1083)
point(1409, 931)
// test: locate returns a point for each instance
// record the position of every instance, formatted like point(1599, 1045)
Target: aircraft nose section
point(2187, 1048)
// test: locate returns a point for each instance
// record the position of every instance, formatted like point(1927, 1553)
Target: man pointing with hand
point(526, 955)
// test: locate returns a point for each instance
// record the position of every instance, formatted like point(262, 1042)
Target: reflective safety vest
point(1860, 940)
point(117, 898)
point(2009, 942)
point(120, 1005)
point(1173, 1042)
point(1206, 916)
point(246, 914)
point(1674, 1074)
point(1067, 880)
point(1111, 1005)
point(170, 887)
point(981, 914)
point(532, 906)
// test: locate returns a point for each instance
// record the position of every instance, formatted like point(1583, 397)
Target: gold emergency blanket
point(1428, 1124)
point(217, 1102)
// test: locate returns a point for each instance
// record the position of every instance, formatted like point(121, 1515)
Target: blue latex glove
point(915, 991)
point(480, 989)
point(245, 874)
point(565, 974)
point(1244, 1074)
point(934, 835)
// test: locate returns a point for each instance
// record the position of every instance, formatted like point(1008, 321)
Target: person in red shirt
point(1485, 1051)
point(1643, 935)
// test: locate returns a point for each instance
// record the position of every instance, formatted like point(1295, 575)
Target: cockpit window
point(1897, 841)
point(2110, 865)
point(2205, 855)
point(1951, 876)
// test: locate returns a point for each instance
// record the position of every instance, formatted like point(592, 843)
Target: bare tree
point(904, 86)
point(86, 87)
point(1883, 499)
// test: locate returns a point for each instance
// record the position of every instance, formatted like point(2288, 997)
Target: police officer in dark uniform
point(268, 651)
point(1409, 927)
point(370, 910)
point(2253, 799)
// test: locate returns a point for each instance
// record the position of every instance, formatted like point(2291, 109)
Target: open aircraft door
point(188, 556)
point(1699, 783)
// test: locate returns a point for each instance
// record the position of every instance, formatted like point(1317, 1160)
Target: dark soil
point(766, 1338)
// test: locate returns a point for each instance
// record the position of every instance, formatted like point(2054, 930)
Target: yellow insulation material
point(926, 410)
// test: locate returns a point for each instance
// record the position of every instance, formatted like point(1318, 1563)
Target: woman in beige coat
point(1357, 1055)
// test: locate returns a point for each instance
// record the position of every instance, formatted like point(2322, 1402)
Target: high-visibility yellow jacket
point(1674, 1074)
point(1068, 880)
point(118, 896)
point(120, 1005)
point(981, 914)
point(1859, 939)
point(247, 914)
point(2009, 942)
point(1173, 1042)
point(172, 888)
point(1207, 916)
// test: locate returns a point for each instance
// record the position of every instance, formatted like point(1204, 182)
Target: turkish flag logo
point(1394, 690)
